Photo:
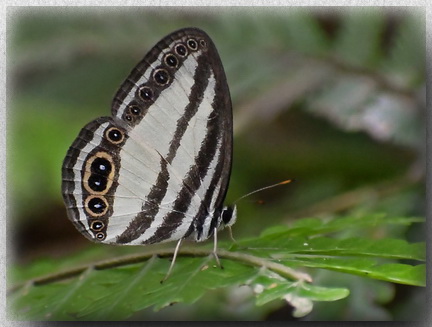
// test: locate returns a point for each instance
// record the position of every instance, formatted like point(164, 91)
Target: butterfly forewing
point(158, 169)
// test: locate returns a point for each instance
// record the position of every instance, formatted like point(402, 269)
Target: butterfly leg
point(231, 235)
point(173, 261)
point(215, 249)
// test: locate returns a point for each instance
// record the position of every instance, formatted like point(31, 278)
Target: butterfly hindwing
point(158, 169)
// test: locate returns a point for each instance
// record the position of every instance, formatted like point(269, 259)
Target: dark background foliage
point(332, 98)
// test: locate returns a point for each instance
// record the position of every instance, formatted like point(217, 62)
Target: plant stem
point(136, 258)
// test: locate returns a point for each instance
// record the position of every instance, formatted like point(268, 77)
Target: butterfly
point(158, 168)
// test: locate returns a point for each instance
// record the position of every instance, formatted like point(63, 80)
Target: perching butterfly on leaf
point(158, 169)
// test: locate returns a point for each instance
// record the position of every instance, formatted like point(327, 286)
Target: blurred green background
point(334, 98)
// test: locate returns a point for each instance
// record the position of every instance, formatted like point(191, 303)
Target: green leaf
point(115, 294)
point(118, 288)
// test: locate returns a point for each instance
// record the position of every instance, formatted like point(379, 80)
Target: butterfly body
point(158, 169)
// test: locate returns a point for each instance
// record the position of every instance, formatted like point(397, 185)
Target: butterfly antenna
point(173, 261)
point(263, 188)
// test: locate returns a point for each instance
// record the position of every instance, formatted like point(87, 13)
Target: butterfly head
point(229, 216)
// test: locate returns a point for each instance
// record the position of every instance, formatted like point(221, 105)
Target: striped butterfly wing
point(158, 169)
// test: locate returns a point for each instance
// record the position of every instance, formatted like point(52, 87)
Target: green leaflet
point(270, 287)
point(283, 247)
point(391, 272)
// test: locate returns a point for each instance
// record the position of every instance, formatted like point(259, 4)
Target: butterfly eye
point(96, 205)
point(145, 93)
point(97, 225)
point(161, 76)
point(171, 60)
point(192, 44)
point(181, 50)
point(114, 135)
